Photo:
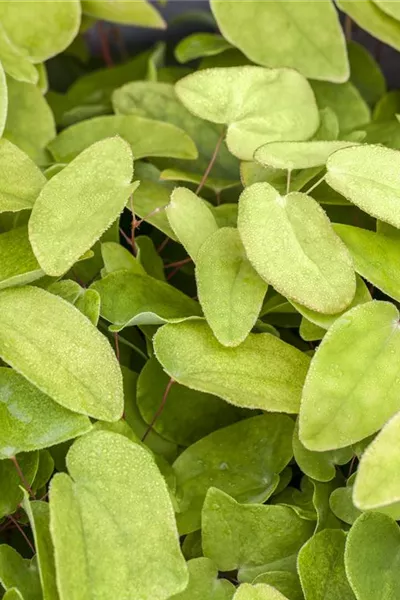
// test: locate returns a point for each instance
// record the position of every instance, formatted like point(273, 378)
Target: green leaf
point(18, 265)
point(117, 258)
point(30, 122)
point(14, 60)
point(198, 45)
point(57, 349)
point(20, 179)
point(243, 460)
point(18, 572)
point(94, 188)
point(345, 101)
point(188, 415)
point(314, 42)
point(230, 291)
point(366, 73)
point(373, 557)
point(341, 502)
point(191, 219)
point(355, 372)
point(67, 289)
point(369, 17)
point(253, 114)
point(297, 155)
point(390, 8)
point(13, 594)
point(291, 244)
point(250, 537)
point(11, 484)
point(39, 517)
point(284, 581)
point(114, 497)
point(259, 591)
point(41, 30)
point(129, 299)
point(366, 175)
point(89, 305)
point(376, 257)
point(149, 258)
point(139, 12)
point(150, 201)
point(321, 567)
point(147, 138)
point(204, 583)
point(263, 372)
point(3, 99)
point(44, 471)
point(29, 420)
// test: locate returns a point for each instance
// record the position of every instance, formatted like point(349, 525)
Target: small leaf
point(19, 572)
point(151, 200)
point(191, 220)
point(129, 299)
point(198, 45)
point(139, 12)
point(89, 305)
point(390, 8)
point(149, 258)
point(341, 502)
point(290, 242)
point(263, 372)
point(259, 591)
point(57, 349)
point(345, 101)
point(93, 188)
point(369, 17)
point(284, 581)
point(230, 291)
point(105, 522)
point(204, 583)
point(66, 288)
point(14, 60)
point(297, 155)
point(11, 484)
point(252, 113)
point(18, 265)
point(366, 73)
point(321, 567)
point(117, 258)
point(355, 371)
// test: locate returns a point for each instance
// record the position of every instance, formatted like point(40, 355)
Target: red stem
point(160, 408)
point(105, 45)
point(22, 476)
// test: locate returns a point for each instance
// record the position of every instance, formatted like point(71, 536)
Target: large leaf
point(29, 420)
point(230, 291)
point(297, 155)
point(113, 524)
point(314, 42)
point(145, 137)
point(129, 299)
point(346, 102)
point(57, 349)
point(355, 372)
point(3, 99)
point(373, 557)
point(19, 572)
point(15, 61)
point(321, 567)
point(20, 179)
point(368, 177)
point(368, 16)
point(243, 460)
point(204, 583)
point(198, 45)
point(259, 591)
point(290, 242)
point(92, 190)
point(264, 105)
point(263, 372)
point(389, 7)
point(151, 199)
point(250, 537)
point(137, 12)
point(41, 29)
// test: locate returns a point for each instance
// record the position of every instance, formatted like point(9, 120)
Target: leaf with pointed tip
point(10, 481)
point(19, 572)
point(284, 581)
point(264, 105)
point(140, 12)
point(20, 179)
point(198, 45)
point(230, 291)
point(345, 101)
point(204, 583)
point(146, 137)
point(258, 591)
point(30, 420)
point(191, 219)
point(290, 242)
point(316, 46)
point(372, 557)
point(321, 567)
point(367, 176)
point(114, 495)
point(355, 371)
point(297, 155)
point(65, 356)
point(250, 537)
point(93, 188)
point(129, 299)
point(373, 20)
point(263, 372)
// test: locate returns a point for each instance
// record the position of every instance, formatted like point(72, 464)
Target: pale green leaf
point(284, 581)
point(230, 291)
point(321, 567)
point(253, 172)
point(19, 572)
point(66, 288)
point(117, 258)
point(20, 179)
point(345, 101)
point(128, 12)
point(149, 258)
point(372, 557)
point(265, 105)
point(367, 176)
point(355, 371)
point(243, 460)
point(366, 73)
point(129, 299)
point(250, 537)
point(13, 594)
point(290, 242)
point(297, 155)
point(198, 45)
point(44, 471)
point(113, 525)
point(309, 332)
point(43, 80)
point(146, 137)
point(3, 99)
point(263, 372)
point(94, 189)
point(30, 420)
point(389, 7)
point(259, 591)
point(89, 304)
point(313, 39)
point(341, 502)
point(18, 264)
point(14, 60)
point(10, 481)
point(217, 185)
point(191, 219)
point(150, 201)
point(387, 107)
point(204, 583)
point(58, 350)
point(371, 18)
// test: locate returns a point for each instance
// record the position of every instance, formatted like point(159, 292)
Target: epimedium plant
point(199, 307)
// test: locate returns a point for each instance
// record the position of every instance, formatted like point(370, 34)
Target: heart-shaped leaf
point(297, 155)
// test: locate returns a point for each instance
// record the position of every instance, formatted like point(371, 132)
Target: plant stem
point(211, 163)
point(178, 263)
point(133, 227)
point(348, 27)
point(116, 340)
point(22, 476)
point(160, 408)
point(316, 184)
point(162, 245)
point(289, 175)
point(22, 532)
point(105, 45)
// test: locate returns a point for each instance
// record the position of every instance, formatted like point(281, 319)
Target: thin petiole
point(316, 184)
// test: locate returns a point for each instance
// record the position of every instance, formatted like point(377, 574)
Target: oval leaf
point(259, 591)
point(297, 155)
